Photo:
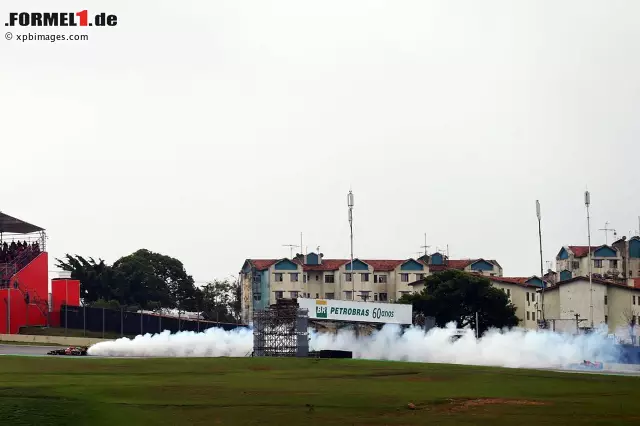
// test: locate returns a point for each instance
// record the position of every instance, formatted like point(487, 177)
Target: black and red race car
point(588, 365)
point(71, 350)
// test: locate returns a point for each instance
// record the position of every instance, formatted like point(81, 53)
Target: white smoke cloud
point(513, 348)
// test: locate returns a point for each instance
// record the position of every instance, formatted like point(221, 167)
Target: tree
point(143, 278)
point(220, 301)
point(457, 296)
point(96, 278)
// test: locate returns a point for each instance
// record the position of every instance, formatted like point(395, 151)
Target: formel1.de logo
point(61, 19)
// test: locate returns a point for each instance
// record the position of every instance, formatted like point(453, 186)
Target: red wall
point(61, 289)
point(35, 276)
point(34, 279)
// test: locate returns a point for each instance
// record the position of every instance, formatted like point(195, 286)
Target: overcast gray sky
point(214, 131)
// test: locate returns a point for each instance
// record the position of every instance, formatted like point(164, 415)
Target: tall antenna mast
point(587, 202)
point(425, 246)
point(350, 204)
point(539, 214)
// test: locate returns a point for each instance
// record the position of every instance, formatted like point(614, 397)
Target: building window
point(294, 294)
point(317, 295)
point(375, 297)
point(597, 263)
point(613, 264)
point(575, 264)
point(329, 279)
point(419, 276)
point(634, 300)
point(279, 294)
point(533, 316)
point(329, 296)
point(527, 297)
point(317, 277)
point(294, 277)
point(364, 295)
point(278, 278)
point(528, 316)
point(404, 278)
point(348, 295)
point(508, 292)
point(382, 279)
point(364, 277)
point(383, 297)
point(257, 297)
point(304, 278)
point(606, 319)
point(347, 277)
point(605, 300)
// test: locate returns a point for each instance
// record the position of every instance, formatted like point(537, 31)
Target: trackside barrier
point(58, 340)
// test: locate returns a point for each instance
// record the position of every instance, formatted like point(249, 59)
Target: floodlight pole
point(539, 214)
point(350, 205)
point(587, 202)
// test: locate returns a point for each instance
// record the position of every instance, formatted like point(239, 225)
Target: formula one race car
point(71, 350)
point(588, 365)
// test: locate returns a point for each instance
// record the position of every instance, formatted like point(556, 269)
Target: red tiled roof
point(580, 251)
point(514, 280)
point(327, 265)
point(384, 265)
point(380, 265)
point(452, 264)
point(334, 264)
point(262, 264)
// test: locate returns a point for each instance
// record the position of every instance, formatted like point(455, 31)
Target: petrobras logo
point(321, 308)
point(61, 19)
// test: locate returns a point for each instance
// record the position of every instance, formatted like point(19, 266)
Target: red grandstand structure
point(24, 276)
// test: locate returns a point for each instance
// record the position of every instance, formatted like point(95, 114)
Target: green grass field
point(251, 391)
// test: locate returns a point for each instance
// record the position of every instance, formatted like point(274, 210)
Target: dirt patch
point(465, 404)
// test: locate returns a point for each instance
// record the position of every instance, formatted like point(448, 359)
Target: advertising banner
point(342, 310)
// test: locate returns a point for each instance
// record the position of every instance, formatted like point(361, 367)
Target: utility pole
point(578, 321)
point(587, 202)
point(350, 203)
point(538, 213)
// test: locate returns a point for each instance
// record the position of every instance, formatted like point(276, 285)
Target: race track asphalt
point(26, 349)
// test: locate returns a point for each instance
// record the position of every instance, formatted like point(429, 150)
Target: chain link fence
point(119, 322)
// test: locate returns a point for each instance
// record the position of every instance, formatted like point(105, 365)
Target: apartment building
point(573, 261)
point(264, 281)
point(523, 293)
point(630, 252)
point(615, 304)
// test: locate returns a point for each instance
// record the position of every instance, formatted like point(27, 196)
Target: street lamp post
point(587, 202)
point(350, 204)
point(538, 213)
